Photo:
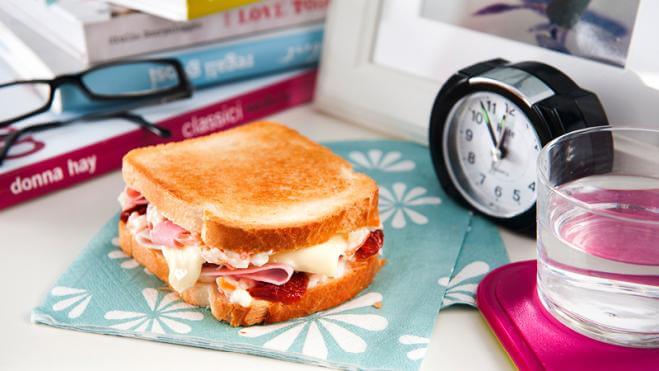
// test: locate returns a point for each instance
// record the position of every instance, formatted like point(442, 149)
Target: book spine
point(64, 170)
point(198, 9)
point(136, 33)
point(225, 62)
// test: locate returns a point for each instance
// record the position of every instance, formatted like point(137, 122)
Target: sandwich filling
point(242, 277)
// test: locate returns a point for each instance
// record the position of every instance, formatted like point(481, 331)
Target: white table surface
point(42, 237)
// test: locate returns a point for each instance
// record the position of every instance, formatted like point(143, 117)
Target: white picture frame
point(393, 98)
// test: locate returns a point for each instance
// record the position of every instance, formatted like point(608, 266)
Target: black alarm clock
point(488, 125)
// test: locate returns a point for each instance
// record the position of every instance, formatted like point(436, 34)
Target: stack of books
point(245, 58)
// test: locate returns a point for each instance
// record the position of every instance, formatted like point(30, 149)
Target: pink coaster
point(508, 300)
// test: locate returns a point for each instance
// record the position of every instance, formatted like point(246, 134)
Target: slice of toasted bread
point(323, 296)
point(254, 188)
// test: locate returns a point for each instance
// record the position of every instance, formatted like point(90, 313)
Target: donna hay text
point(41, 179)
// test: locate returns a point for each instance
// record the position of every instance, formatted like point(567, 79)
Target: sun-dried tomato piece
point(288, 293)
point(371, 246)
point(140, 209)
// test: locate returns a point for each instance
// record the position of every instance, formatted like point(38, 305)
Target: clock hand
point(501, 150)
point(489, 125)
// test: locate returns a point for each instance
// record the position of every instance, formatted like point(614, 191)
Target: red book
point(51, 160)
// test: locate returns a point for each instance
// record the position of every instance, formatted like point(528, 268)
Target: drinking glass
point(598, 233)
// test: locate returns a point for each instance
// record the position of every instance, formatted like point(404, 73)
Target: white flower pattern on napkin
point(398, 204)
point(374, 159)
point(331, 321)
point(69, 297)
point(421, 344)
point(165, 312)
point(458, 292)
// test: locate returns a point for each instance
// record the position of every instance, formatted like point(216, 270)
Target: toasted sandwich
point(258, 223)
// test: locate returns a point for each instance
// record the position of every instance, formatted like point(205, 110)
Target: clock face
point(490, 149)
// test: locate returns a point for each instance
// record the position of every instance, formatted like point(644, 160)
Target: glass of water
point(598, 233)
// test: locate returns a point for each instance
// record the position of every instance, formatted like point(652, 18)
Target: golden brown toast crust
point(318, 298)
point(254, 188)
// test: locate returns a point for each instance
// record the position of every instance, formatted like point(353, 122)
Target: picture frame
point(383, 64)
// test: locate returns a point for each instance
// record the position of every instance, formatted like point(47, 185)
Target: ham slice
point(130, 198)
point(274, 273)
point(133, 193)
point(167, 233)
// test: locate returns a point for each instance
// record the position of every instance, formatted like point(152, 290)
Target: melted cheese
point(322, 258)
point(184, 266)
point(241, 296)
point(185, 262)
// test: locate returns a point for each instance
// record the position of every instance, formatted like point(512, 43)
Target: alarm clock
point(488, 125)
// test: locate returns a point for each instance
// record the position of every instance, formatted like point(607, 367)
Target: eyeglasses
point(12, 136)
point(138, 82)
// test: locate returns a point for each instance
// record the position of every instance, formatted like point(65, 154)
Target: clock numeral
point(532, 186)
point(516, 195)
point(469, 135)
point(510, 111)
point(483, 176)
point(477, 117)
point(471, 158)
point(498, 191)
point(491, 107)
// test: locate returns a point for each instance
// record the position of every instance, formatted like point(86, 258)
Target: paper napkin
point(482, 252)
point(107, 292)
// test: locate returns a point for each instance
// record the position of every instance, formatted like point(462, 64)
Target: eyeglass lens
point(131, 79)
point(24, 97)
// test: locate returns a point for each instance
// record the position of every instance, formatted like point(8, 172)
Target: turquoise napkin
point(426, 235)
point(482, 251)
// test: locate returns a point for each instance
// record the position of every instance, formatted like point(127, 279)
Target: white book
point(29, 54)
point(93, 31)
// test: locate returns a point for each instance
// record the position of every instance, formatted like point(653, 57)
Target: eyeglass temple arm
point(12, 137)
point(144, 124)
point(128, 116)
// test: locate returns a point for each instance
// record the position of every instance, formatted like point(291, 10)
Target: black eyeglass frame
point(183, 89)
point(10, 138)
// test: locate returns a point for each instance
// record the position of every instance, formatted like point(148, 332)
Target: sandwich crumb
point(378, 305)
